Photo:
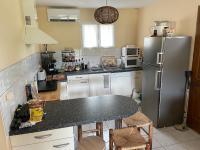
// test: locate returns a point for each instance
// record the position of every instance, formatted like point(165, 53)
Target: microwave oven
point(129, 62)
point(129, 51)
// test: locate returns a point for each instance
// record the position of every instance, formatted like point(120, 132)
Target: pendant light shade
point(106, 14)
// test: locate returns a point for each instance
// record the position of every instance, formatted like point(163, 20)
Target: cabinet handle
point(42, 136)
point(157, 80)
point(159, 58)
point(106, 81)
point(61, 145)
point(84, 82)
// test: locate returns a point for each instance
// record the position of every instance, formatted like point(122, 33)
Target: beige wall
point(184, 12)
point(69, 34)
point(3, 140)
point(12, 47)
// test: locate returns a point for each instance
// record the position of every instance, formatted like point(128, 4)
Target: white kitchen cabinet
point(62, 139)
point(121, 83)
point(62, 144)
point(63, 90)
point(99, 84)
point(77, 87)
point(137, 80)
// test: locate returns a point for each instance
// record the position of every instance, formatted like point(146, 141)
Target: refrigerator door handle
point(157, 80)
point(159, 58)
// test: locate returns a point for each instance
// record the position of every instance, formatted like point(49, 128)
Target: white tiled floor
point(166, 138)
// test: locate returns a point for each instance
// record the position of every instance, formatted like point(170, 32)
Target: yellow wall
point(3, 140)
point(184, 12)
point(69, 34)
point(12, 47)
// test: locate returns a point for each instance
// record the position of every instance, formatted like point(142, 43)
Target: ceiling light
point(106, 14)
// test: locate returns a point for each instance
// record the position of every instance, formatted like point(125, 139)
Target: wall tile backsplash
point(93, 56)
point(12, 86)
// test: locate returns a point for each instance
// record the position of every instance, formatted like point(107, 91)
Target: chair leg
point(148, 147)
point(111, 139)
point(99, 127)
point(79, 132)
point(150, 135)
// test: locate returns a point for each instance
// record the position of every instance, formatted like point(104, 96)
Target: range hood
point(33, 35)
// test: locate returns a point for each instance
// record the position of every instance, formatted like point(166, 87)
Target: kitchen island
point(59, 126)
point(61, 114)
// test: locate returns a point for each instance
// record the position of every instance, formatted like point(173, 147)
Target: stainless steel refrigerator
point(165, 61)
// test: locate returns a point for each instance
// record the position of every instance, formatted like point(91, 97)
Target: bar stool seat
point(91, 143)
point(141, 121)
point(127, 139)
point(137, 120)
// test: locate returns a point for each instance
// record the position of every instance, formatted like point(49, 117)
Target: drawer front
point(40, 137)
point(78, 77)
point(122, 74)
point(62, 144)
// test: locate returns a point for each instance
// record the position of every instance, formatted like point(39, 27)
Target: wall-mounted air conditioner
point(63, 14)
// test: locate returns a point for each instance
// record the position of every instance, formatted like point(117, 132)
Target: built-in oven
point(130, 51)
point(130, 62)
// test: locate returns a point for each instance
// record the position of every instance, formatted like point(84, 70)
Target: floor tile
point(183, 136)
point(193, 145)
point(176, 147)
point(161, 148)
point(165, 138)
point(156, 144)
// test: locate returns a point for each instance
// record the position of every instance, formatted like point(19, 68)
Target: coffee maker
point(48, 62)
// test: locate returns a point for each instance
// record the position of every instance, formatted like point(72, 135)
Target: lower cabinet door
point(121, 84)
point(63, 90)
point(62, 144)
point(99, 84)
point(78, 89)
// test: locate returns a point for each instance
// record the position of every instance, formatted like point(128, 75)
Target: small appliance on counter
point(48, 62)
point(41, 75)
point(163, 28)
point(46, 86)
point(130, 51)
point(131, 56)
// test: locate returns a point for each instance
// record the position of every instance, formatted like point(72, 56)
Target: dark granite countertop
point(61, 114)
point(82, 72)
point(46, 86)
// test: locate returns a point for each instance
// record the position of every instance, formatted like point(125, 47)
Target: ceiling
point(95, 3)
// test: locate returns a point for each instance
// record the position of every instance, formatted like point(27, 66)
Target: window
point(90, 38)
point(98, 36)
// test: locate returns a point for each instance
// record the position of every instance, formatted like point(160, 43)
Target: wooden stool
point(127, 139)
point(141, 121)
point(91, 142)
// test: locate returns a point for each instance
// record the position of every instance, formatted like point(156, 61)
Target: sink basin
point(112, 69)
point(96, 69)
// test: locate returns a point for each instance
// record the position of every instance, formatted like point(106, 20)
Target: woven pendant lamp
point(106, 14)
